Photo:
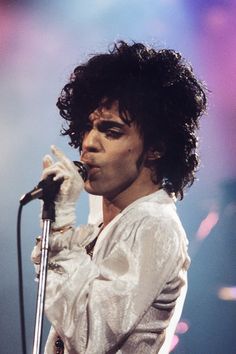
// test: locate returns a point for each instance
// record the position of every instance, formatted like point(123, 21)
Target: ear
point(153, 154)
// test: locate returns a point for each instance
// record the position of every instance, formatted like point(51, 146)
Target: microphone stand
point(48, 216)
point(47, 191)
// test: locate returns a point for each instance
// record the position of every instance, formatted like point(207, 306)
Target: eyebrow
point(105, 124)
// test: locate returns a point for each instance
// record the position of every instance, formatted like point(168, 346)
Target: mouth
point(92, 168)
point(93, 172)
point(89, 163)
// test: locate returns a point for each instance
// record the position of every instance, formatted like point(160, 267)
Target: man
point(119, 286)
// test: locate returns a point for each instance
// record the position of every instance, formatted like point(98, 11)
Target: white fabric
point(95, 209)
point(122, 300)
point(170, 330)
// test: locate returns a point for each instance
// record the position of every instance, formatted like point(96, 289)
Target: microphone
point(47, 188)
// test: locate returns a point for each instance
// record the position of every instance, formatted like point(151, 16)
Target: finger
point(54, 169)
point(61, 156)
point(47, 161)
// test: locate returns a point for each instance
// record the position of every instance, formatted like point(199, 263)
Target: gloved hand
point(69, 189)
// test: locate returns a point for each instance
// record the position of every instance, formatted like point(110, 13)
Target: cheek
point(135, 154)
point(130, 159)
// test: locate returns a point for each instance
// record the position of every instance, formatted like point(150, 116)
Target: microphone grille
point(82, 169)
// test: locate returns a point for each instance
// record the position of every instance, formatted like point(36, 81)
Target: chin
point(94, 193)
point(89, 188)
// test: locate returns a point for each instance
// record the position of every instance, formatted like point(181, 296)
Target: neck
point(113, 206)
point(110, 210)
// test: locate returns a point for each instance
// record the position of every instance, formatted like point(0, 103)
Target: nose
point(90, 141)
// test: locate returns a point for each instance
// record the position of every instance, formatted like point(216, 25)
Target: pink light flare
point(174, 343)
point(227, 293)
point(182, 327)
point(207, 225)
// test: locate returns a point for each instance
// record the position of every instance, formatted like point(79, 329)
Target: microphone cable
point(20, 282)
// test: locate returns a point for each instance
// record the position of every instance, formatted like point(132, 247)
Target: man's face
point(113, 151)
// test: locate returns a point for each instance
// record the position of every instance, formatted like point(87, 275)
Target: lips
point(87, 158)
point(89, 163)
point(92, 167)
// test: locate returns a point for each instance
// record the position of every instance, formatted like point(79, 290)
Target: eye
point(113, 133)
point(111, 129)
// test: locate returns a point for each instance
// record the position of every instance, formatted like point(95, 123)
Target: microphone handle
point(48, 189)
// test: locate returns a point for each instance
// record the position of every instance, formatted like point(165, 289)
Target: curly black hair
point(161, 94)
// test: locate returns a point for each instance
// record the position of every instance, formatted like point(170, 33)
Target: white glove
point(69, 189)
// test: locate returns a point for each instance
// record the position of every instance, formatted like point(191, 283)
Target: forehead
point(111, 112)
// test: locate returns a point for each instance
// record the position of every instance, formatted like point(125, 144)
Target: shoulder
point(157, 207)
point(153, 218)
point(148, 227)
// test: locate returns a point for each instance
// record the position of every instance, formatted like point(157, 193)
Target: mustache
point(88, 159)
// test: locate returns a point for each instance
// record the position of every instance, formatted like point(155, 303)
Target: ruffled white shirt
point(123, 299)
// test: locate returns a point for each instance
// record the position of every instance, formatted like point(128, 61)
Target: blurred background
point(40, 44)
